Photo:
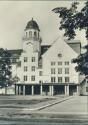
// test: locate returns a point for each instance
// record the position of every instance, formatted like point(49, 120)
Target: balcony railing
point(30, 38)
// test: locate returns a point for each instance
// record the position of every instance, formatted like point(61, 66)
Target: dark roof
point(44, 48)
point(15, 53)
point(61, 84)
point(75, 45)
point(32, 25)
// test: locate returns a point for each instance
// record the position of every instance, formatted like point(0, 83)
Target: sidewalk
point(43, 105)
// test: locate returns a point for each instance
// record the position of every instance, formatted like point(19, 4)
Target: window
point(53, 79)
point(40, 73)
point(59, 70)
point(30, 33)
point(26, 34)
point(52, 63)
point(60, 79)
point(66, 70)
point(52, 70)
point(32, 78)
point(66, 63)
point(40, 81)
point(38, 34)
point(25, 78)
point(33, 68)
point(66, 79)
point(25, 68)
point(59, 55)
point(35, 34)
point(19, 64)
point(86, 89)
point(59, 63)
point(25, 59)
point(33, 59)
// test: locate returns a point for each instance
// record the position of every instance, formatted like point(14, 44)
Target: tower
point(31, 39)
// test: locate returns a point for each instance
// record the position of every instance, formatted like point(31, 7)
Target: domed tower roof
point(32, 25)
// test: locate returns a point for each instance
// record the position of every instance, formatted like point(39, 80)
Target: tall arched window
point(35, 34)
point(30, 33)
point(38, 34)
point(26, 34)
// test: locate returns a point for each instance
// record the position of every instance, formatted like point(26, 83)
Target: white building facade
point(45, 69)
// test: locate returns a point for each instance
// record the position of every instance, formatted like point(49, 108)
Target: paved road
point(45, 122)
point(76, 105)
point(38, 123)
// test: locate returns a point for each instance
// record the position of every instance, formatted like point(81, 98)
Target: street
point(58, 121)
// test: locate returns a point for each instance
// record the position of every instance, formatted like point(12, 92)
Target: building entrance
point(72, 89)
point(28, 90)
point(59, 89)
point(37, 90)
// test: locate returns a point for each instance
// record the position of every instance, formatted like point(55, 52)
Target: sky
point(14, 16)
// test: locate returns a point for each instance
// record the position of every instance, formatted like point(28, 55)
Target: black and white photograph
point(44, 62)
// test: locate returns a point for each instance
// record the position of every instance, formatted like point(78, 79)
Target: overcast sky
point(14, 16)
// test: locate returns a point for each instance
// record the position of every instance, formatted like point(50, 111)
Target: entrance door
point(28, 90)
point(72, 89)
point(46, 89)
point(37, 90)
point(59, 89)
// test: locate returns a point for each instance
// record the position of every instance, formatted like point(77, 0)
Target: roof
point(75, 45)
point(15, 53)
point(32, 24)
point(44, 48)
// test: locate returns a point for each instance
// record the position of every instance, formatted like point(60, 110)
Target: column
point(41, 90)
point(52, 90)
point(77, 90)
point(65, 89)
point(24, 90)
point(68, 90)
point(16, 90)
point(32, 90)
point(19, 90)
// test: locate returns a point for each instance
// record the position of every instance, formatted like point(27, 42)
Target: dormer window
point(59, 55)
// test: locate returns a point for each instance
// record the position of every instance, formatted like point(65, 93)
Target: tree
point(71, 20)
point(5, 69)
point(15, 79)
point(68, 19)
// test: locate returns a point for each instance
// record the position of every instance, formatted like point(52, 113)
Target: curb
point(48, 105)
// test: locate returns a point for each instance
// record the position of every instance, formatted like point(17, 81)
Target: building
point(45, 69)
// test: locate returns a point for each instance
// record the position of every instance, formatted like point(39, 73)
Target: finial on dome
point(32, 25)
